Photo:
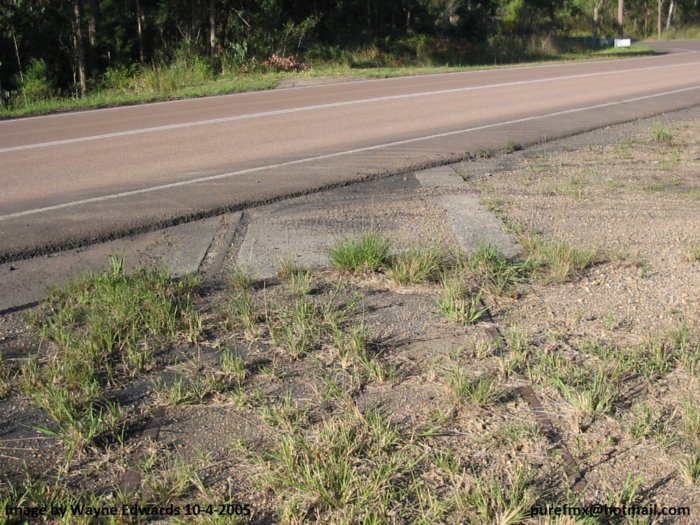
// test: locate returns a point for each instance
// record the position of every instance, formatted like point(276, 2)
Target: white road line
point(333, 155)
point(329, 106)
point(680, 52)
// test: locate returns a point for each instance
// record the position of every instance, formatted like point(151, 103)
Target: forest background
point(58, 54)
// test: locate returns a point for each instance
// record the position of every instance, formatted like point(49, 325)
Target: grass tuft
point(356, 469)
point(659, 133)
point(483, 391)
point(240, 280)
point(493, 271)
point(416, 266)
point(368, 253)
point(694, 252)
point(689, 467)
point(554, 260)
point(457, 304)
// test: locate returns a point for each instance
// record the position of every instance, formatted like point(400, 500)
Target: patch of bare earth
point(637, 203)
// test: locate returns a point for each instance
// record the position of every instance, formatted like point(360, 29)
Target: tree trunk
point(671, 7)
point(223, 27)
point(78, 45)
point(658, 18)
point(19, 60)
point(139, 28)
point(621, 16)
point(212, 27)
point(94, 22)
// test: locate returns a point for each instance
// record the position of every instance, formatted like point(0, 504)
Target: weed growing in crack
point(240, 280)
point(368, 253)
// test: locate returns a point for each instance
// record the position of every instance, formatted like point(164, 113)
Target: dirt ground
point(336, 397)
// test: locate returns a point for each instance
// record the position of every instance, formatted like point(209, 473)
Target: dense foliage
point(68, 47)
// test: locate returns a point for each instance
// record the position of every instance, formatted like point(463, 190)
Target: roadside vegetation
point(58, 56)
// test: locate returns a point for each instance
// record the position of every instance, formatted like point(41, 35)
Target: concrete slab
point(270, 239)
point(183, 247)
point(179, 248)
point(304, 229)
point(473, 225)
point(440, 177)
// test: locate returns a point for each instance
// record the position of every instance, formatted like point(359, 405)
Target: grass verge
point(103, 328)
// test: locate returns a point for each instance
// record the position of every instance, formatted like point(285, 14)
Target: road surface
point(79, 177)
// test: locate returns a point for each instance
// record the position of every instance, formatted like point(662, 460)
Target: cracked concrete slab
point(432, 207)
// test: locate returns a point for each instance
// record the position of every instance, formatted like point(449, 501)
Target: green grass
point(103, 328)
point(240, 279)
point(416, 266)
point(243, 314)
point(645, 422)
point(690, 421)
point(483, 391)
point(368, 253)
point(6, 379)
point(694, 251)
point(300, 280)
point(660, 133)
point(689, 467)
point(590, 395)
point(493, 271)
point(302, 328)
point(357, 468)
point(555, 261)
point(505, 499)
point(457, 303)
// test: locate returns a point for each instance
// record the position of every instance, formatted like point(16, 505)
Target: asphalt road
point(79, 177)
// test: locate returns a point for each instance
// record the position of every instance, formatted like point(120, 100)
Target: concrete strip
point(304, 229)
point(270, 239)
point(183, 247)
point(180, 248)
point(440, 177)
point(473, 225)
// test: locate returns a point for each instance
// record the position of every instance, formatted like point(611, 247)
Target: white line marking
point(333, 155)
point(335, 84)
point(328, 106)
